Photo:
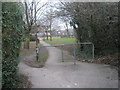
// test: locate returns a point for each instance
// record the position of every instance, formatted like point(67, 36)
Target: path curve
point(57, 74)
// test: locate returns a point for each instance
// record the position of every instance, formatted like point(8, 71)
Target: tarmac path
point(57, 74)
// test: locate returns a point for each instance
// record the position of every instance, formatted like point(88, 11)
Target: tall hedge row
point(12, 28)
point(95, 22)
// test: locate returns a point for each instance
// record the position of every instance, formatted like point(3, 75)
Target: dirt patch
point(110, 60)
point(29, 56)
point(31, 61)
point(24, 81)
point(27, 52)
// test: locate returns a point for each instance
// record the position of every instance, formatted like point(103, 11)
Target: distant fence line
point(68, 44)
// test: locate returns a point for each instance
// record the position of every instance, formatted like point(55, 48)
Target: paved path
point(57, 74)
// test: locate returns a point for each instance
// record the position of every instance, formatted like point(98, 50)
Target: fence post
point(62, 52)
point(74, 57)
point(93, 50)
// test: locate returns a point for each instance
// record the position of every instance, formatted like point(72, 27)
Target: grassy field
point(49, 38)
point(57, 41)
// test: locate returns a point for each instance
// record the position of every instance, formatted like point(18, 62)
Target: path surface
point(57, 74)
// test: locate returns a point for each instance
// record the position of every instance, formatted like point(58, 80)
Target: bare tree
point(33, 10)
point(66, 27)
point(49, 16)
point(93, 21)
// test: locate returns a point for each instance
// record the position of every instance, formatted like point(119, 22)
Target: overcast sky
point(58, 22)
point(66, 0)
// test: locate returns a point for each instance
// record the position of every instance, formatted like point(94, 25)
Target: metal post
point(62, 52)
point(93, 50)
point(37, 51)
point(74, 57)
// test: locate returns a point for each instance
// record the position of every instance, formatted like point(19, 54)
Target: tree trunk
point(47, 34)
point(50, 38)
point(50, 31)
point(27, 41)
point(68, 35)
point(50, 35)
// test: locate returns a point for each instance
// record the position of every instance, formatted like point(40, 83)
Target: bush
point(85, 52)
point(12, 29)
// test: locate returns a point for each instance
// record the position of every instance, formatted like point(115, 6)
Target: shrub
point(12, 35)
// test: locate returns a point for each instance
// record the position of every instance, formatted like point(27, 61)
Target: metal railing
point(74, 51)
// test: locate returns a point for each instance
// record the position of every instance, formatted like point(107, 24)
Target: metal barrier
point(74, 49)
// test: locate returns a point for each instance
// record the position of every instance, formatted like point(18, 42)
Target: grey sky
point(65, 0)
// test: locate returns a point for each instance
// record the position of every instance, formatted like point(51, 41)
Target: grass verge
point(43, 56)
